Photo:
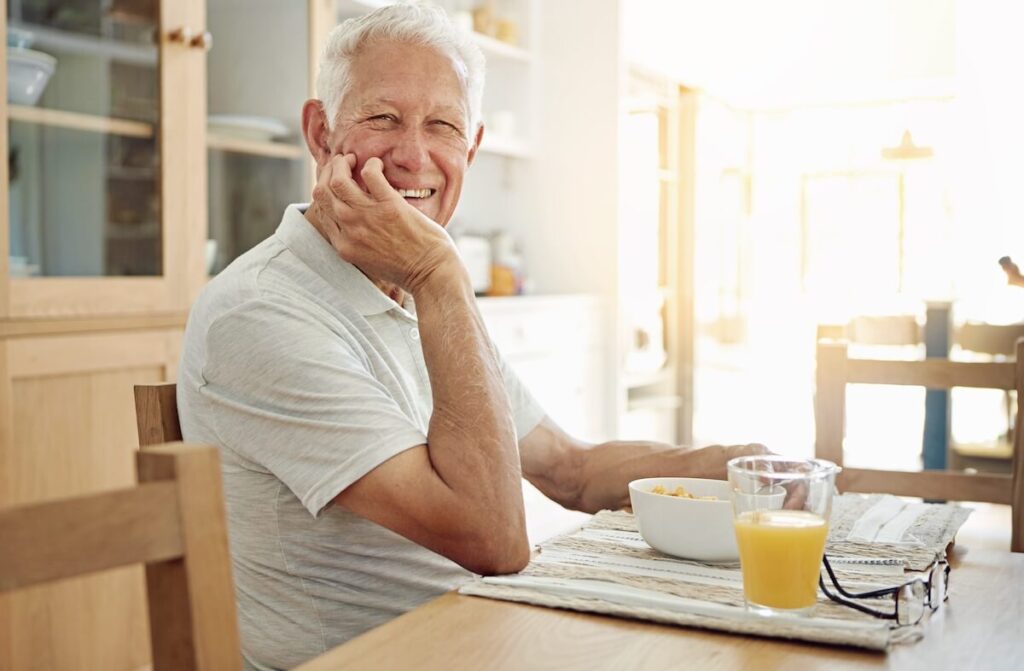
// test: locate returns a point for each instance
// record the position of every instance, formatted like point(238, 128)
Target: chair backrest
point(999, 339)
point(173, 522)
point(156, 413)
point(901, 330)
point(835, 370)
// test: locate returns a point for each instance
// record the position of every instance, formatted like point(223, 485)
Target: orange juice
point(780, 555)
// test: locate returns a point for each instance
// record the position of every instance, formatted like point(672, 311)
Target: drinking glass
point(781, 509)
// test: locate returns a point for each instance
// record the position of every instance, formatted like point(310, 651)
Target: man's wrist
point(442, 277)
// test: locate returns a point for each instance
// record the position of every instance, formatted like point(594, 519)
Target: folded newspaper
point(606, 567)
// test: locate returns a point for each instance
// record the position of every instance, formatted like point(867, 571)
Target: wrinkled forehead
point(385, 70)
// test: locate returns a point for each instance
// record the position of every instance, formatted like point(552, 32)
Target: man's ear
point(476, 144)
point(314, 129)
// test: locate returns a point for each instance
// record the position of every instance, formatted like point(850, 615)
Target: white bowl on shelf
point(244, 127)
point(28, 72)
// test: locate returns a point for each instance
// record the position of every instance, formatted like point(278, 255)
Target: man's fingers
point(376, 183)
point(341, 182)
point(322, 187)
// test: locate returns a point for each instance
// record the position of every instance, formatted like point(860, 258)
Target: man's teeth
point(415, 193)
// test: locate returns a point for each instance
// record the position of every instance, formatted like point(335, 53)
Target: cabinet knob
point(183, 35)
point(188, 37)
point(203, 40)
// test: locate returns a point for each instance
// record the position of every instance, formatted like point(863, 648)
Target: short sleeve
point(298, 398)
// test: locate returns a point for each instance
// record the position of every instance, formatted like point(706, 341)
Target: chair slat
point(992, 488)
point(932, 373)
point(69, 537)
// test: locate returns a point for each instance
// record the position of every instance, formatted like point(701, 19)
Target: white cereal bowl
point(27, 74)
point(686, 528)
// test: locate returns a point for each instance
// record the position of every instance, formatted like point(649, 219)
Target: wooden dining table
point(981, 626)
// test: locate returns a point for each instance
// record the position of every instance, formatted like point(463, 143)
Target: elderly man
point(373, 442)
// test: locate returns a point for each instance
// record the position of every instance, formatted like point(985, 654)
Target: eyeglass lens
point(910, 602)
point(938, 584)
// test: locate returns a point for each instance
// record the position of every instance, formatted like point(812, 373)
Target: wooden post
point(1017, 468)
point(156, 413)
point(192, 614)
point(830, 401)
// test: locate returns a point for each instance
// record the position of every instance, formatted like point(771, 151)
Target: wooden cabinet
point(68, 429)
point(106, 201)
point(104, 192)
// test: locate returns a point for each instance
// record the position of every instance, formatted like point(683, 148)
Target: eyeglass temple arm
point(854, 604)
point(854, 595)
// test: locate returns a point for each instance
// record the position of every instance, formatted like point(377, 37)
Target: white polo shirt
point(307, 376)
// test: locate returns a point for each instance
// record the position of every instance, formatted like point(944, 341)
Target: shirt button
point(415, 333)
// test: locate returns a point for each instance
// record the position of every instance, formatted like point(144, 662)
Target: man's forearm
point(471, 437)
point(605, 470)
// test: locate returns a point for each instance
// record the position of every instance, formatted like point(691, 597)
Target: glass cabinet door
point(257, 160)
point(106, 173)
point(83, 151)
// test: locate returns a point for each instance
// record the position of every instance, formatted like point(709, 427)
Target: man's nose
point(410, 150)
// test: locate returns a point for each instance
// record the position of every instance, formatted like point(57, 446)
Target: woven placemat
point(607, 568)
point(915, 532)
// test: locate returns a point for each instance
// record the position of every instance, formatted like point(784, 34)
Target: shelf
point(255, 147)
point(144, 231)
point(660, 402)
point(504, 146)
point(77, 121)
point(67, 42)
point(131, 173)
point(649, 379)
point(490, 46)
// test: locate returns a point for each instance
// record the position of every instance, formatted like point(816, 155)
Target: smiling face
point(406, 104)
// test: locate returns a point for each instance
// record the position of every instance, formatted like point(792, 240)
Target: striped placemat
point(606, 567)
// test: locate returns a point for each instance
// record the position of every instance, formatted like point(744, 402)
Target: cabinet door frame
point(182, 183)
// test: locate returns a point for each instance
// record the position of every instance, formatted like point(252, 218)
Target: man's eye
point(382, 118)
point(447, 125)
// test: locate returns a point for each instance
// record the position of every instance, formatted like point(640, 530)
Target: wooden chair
point(891, 330)
point(996, 341)
point(156, 413)
point(835, 370)
point(173, 522)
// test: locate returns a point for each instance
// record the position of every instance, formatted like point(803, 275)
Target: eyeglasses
point(909, 599)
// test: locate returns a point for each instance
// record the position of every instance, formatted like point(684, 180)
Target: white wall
point(572, 247)
point(769, 52)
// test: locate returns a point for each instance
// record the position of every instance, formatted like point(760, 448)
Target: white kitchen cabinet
point(557, 347)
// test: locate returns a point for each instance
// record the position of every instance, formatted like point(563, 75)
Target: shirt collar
point(299, 236)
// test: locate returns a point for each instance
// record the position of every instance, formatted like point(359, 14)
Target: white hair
point(408, 23)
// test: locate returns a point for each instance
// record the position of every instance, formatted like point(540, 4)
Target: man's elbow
point(495, 556)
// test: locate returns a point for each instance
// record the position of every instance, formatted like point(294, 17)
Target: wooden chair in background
point(173, 522)
point(887, 330)
point(156, 413)
point(835, 370)
point(993, 342)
